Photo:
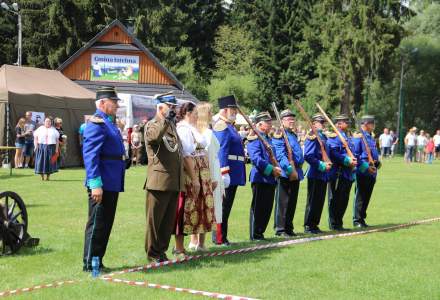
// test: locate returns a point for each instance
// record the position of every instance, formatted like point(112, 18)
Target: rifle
point(343, 140)
point(266, 145)
point(364, 140)
point(294, 175)
point(306, 118)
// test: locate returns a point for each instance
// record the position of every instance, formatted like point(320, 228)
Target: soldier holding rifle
point(290, 157)
point(264, 174)
point(368, 162)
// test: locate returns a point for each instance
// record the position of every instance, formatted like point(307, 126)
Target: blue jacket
point(281, 150)
point(103, 139)
point(313, 156)
point(340, 158)
point(261, 171)
point(362, 156)
point(231, 153)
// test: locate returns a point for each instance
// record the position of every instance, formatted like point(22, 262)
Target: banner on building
point(116, 68)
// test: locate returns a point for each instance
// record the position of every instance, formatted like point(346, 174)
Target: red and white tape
point(36, 288)
point(268, 246)
point(175, 289)
point(221, 253)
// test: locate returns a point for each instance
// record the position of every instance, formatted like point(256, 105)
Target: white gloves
point(226, 180)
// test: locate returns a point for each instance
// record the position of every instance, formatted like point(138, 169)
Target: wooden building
point(114, 56)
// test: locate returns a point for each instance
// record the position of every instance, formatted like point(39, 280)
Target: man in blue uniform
point(104, 161)
point(342, 174)
point(288, 186)
point(231, 156)
point(317, 176)
point(366, 173)
point(263, 176)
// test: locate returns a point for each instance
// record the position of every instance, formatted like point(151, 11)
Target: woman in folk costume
point(204, 112)
point(195, 210)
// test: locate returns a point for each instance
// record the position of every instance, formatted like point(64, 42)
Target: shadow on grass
point(259, 255)
point(67, 180)
point(15, 176)
point(30, 251)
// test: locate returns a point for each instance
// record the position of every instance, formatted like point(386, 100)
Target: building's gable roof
point(135, 41)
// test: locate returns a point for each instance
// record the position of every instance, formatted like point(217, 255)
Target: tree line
point(342, 53)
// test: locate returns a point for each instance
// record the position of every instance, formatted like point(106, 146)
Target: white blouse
point(46, 136)
point(190, 137)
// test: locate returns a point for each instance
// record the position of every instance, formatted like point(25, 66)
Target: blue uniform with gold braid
point(342, 176)
point(104, 162)
point(365, 180)
point(232, 164)
point(286, 195)
point(317, 178)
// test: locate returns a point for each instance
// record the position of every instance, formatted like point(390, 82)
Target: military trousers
point(161, 209)
point(338, 197)
point(286, 197)
point(261, 208)
point(363, 190)
point(228, 201)
point(316, 190)
point(99, 226)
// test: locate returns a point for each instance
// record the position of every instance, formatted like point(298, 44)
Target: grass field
point(402, 264)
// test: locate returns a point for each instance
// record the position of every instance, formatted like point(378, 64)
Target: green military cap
point(106, 92)
point(342, 117)
point(318, 117)
point(287, 113)
point(263, 116)
point(367, 119)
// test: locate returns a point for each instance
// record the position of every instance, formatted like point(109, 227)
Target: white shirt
point(421, 140)
point(411, 138)
point(436, 139)
point(385, 140)
point(46, 136)
point(190, 137)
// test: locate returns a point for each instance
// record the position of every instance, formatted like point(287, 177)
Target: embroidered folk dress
point(195, 213)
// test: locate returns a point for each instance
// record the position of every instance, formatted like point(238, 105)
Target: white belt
point(235, 157)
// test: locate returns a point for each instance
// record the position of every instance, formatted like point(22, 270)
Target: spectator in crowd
point(385, 142)
point(62, 142)
point(429, 149)
point(136, 145)
point(28, 150)
point(195, 209)
point(243, 132)
point(410, 144)
point(204, 112)
point(19, 143)
point(46, 140)
point(436, 139)
point(421, 144)
point(395, 141)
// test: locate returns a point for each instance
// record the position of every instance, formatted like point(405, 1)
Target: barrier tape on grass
point(222, 253)
point(36, 288)
point(175, 289)
point(268, 246)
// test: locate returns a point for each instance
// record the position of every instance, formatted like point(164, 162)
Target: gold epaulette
point(310, 137)
point(220, 125)
point(278, 135)
point(96, 119)
point(357, 135)
point(252, 137)
point(330, 134)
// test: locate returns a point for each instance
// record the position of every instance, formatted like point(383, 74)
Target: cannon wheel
point(13, 222)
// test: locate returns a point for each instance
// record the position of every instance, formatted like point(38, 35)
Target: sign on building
point(111, 67)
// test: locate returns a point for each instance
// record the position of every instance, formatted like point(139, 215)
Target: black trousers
point(338, 197)
point(261, 208)
point(363, 190)
point(286, 197)
point(228, 200)
point(99, 226)
point(316, 190)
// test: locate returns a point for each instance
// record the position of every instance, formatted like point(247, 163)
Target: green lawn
point(398, 264)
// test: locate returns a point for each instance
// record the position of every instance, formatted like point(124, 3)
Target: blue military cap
point(263, 116)
point(367, 119)
point(318, 118)
point(106, 92)
point(166, 98)
point(287, 113)
point(342, 117)
point(227, 102)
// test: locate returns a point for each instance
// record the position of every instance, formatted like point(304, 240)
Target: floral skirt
point(195, 213)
